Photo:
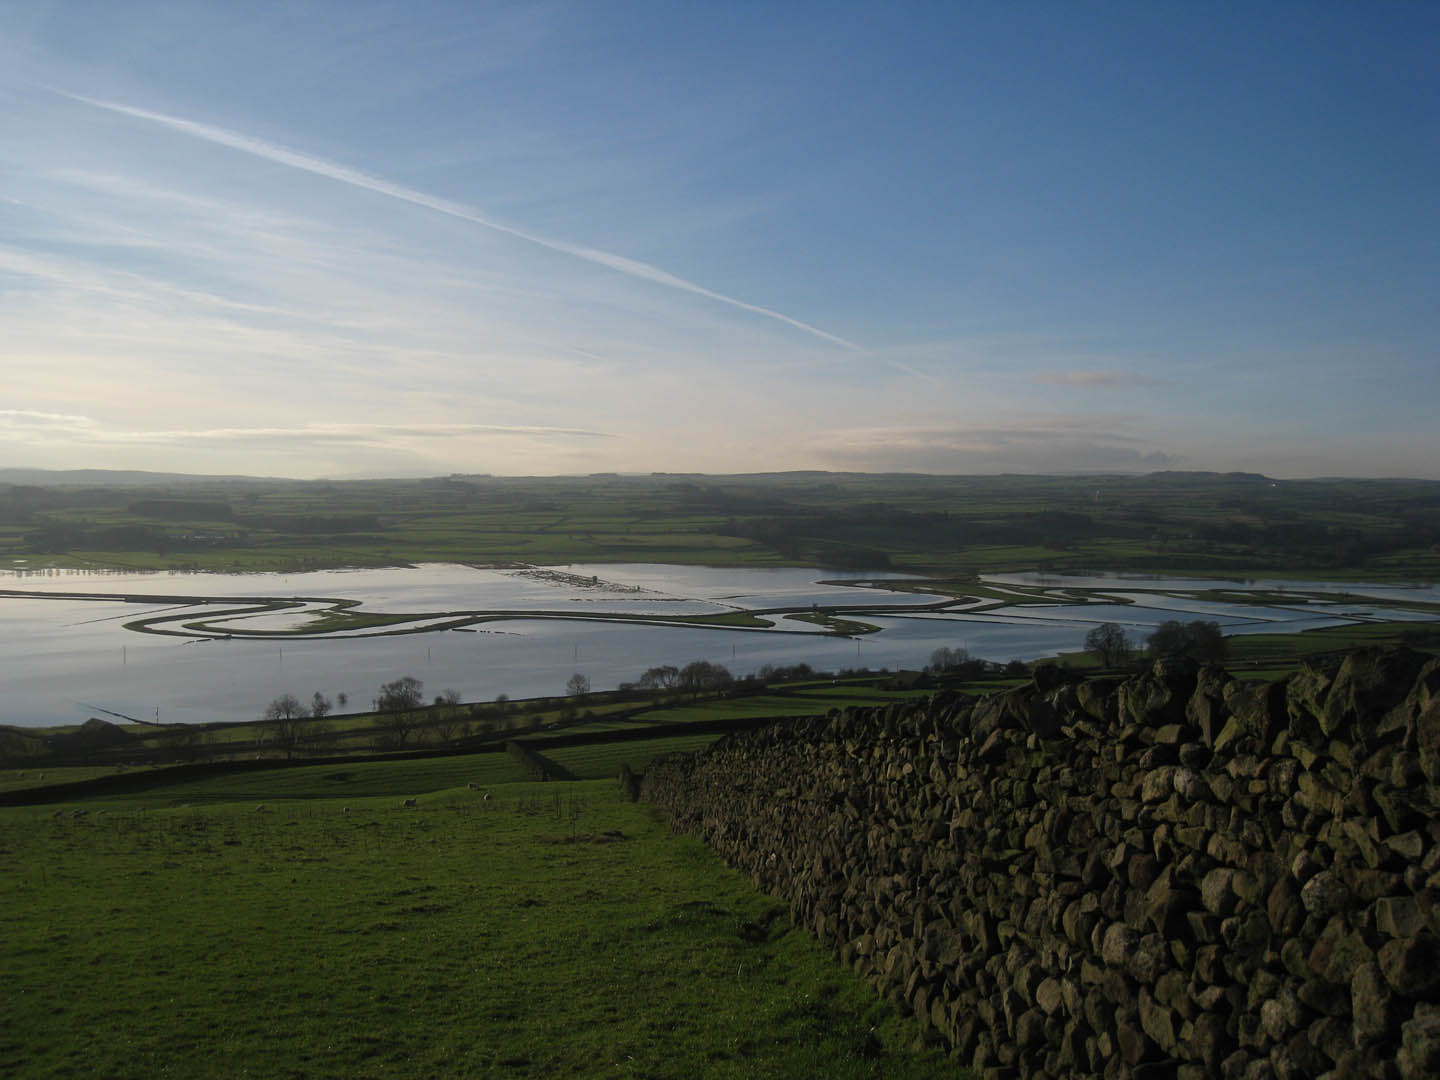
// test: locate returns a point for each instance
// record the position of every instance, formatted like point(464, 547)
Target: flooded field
point(203, 647)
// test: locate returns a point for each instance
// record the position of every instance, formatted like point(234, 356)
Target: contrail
point(344, 174)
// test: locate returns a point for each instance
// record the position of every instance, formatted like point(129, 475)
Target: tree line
point(1200, 639)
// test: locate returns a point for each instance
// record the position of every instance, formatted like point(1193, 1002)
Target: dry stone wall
point(1175, 874)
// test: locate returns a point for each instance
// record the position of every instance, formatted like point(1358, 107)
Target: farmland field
point(552, 929)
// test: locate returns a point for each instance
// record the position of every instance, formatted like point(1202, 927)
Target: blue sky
point(385, 239)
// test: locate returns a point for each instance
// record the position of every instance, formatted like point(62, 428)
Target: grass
point(594, 761)
point(553, 930)
point(950, 526)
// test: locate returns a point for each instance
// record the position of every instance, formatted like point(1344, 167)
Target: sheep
point(487, 797)
point(262, 809)
point(410, 804)
point(345, 810)
point(473, 786)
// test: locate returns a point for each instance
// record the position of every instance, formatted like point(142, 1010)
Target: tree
point(664, 677)
point(342, 699)
point(700, 676)
point(402, 695)
point(1110, 642)
point(319, 705)
point(1200, 640)
point(448, 721)
point(948, 659)
point(578, 685)
point(396, 705)
point(282, 719)
point(1207, 641)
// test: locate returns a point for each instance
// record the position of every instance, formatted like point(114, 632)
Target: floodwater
point(63, 660)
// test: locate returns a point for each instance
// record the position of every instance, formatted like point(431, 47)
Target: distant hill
point(124, 478)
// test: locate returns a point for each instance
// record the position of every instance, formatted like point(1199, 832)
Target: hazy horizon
point(336, 241)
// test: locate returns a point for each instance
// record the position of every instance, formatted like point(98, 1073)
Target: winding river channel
point(191, 647)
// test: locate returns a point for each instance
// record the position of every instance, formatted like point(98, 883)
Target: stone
point(1283, 907)
point(1130, 1039)
point(1030, 1029)
point(1330, 998)
point(1409, 846)
point(1190, 785)
point(1144, 962)
point(1419, 1057)
point(1118, 944)
point(1370, 683)
point(1331, 1036)
point(1050, 996)
point(1158, 1021)
point(1398, 916)
point(1427, 737)
point(1282, 1015)
point(1215, 891)
point(1159, 783)
point(1209, 1043)
point(1325, 895)
point(1234, 1065)
point(1372, 1004)
point(1412, 966)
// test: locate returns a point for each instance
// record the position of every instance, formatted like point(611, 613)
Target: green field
point(1206, 524)
point(550, 930)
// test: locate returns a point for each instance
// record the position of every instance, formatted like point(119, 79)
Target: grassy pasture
point(552, 930)
point(594, 761)
point(1195, 523)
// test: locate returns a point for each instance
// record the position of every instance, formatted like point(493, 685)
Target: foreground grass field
point(551, 930)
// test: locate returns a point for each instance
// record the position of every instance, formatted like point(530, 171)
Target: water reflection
point(65, 659)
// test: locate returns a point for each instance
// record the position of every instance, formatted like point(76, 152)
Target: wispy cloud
point(31, 419)
point(30, 423)
point(356, 178)
point(1097, 379)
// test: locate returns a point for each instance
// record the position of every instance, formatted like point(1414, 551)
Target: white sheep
point(411, 803)
point(262, 809)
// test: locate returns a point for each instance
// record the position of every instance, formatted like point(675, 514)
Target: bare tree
point(282, 719)
point(700, 676)
point(948, 659)
point(319, 705)
point(578, 685)
point(1110, 642)
point(397, 705)
point(664, 677)
point(448, 721)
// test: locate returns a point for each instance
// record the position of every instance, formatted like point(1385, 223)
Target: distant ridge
point(125, 477)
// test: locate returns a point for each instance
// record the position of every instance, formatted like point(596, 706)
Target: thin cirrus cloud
point(34, 419)
point(1098, 379)
point(354, 177)
point(32, 422)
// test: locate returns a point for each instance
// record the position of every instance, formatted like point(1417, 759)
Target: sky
point(384, 239)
